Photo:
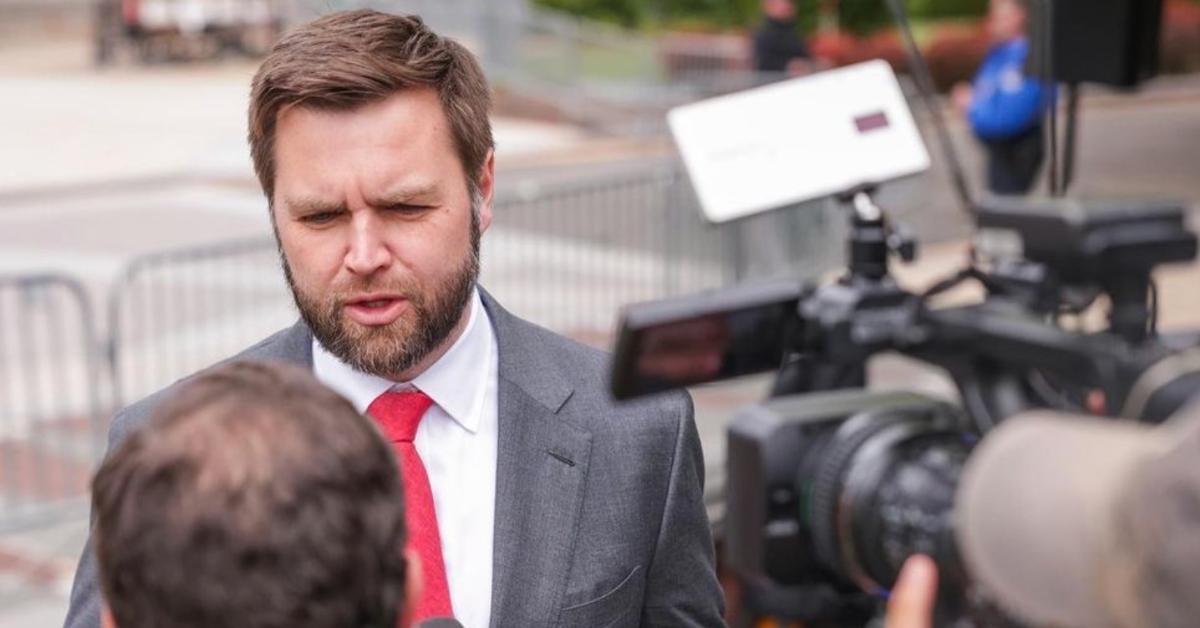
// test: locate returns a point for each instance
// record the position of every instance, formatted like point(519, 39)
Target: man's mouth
point(375, 310)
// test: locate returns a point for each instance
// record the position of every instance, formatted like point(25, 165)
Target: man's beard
point(388, 350)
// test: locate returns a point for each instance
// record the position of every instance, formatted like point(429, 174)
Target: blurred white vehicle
point(173, 30)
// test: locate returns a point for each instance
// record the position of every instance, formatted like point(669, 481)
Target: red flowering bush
point(954, 55)
point(1180, 44)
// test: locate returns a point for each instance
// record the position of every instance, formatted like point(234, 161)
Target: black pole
point(1048, 72)
point(1071, 140)
point(927, 89)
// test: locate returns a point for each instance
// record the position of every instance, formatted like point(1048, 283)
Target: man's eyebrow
point(311, 205)
point(406, 194)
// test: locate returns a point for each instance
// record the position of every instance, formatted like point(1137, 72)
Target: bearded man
point(531, 498)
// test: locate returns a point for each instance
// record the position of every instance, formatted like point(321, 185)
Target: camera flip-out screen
point(797, 140)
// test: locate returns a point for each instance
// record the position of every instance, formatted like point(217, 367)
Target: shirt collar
point(456, 382)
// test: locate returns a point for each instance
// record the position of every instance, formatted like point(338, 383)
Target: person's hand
point(961, 96)
point(912, 600)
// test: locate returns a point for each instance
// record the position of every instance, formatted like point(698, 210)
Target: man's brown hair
point(255, 497)
point(349, 59)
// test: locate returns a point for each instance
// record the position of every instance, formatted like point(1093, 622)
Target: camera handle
point(866, 287)
point(872, 238)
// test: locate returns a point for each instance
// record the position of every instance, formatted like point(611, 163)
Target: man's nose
point(368, 252)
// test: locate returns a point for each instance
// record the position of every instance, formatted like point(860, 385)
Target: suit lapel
point(540, 472)
point(542, 463)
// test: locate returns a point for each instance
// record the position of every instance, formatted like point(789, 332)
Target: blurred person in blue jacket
point(1004, 106)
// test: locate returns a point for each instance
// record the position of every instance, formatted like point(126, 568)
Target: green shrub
point(946, 8)
point(855, 16)
point(863, 16)
point(628, 13)
point(719, 14)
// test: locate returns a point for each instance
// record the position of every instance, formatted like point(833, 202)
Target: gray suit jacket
point(599, 516)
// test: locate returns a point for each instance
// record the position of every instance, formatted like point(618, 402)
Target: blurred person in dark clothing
point(1004, 106)
point(777, 46)
point(255, 497)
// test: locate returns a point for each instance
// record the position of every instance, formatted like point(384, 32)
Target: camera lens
point(1165, 386)
point(884, 490)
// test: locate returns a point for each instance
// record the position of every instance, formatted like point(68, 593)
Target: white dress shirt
point(457, 443)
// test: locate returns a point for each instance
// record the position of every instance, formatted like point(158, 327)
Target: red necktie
point(398, 414)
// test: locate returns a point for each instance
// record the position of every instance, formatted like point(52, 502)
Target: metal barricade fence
point(51, 396)
point(176, 312)
point(568, 255)
point(565, 255)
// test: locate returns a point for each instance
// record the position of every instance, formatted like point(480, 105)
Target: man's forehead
point(394, 150)
point(424, 99)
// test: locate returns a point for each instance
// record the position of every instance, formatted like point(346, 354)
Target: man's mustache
point(341, 295)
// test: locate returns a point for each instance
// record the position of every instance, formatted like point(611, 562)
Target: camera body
point(808, 475)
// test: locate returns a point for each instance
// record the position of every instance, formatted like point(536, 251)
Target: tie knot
point(399, 413)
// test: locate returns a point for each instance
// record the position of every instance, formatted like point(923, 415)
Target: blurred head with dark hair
point(257, 498)
point(779, 10)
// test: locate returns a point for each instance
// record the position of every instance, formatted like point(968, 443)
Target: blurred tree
point(947, 8)
point(863, 16)
point(859, 17)
point(628, 13)
point(716, 12)
point(711, 14)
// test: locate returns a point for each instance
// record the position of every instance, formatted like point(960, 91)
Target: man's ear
point(486, 184)
point(106, 618)
point(414, 586)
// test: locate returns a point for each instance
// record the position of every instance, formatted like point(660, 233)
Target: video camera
point(830, 486)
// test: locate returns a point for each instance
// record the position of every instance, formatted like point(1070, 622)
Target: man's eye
point(319, 218)
point(407, 208)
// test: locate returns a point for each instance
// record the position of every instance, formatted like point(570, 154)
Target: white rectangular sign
point(797, 140)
